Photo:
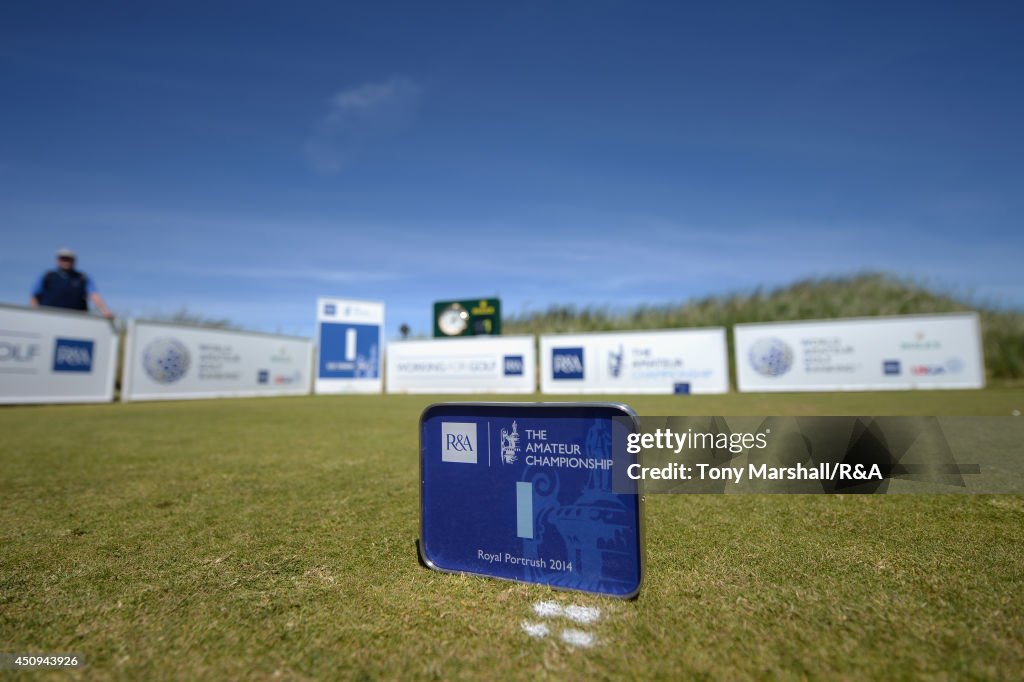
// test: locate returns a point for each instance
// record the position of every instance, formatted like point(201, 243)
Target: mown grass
point(857, 296)
point(242, 539)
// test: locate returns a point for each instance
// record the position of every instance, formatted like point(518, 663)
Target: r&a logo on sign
point(567, 363)
point(458, 442)
point(72, 355)
point(513, 365)
point(891, 367)
point(330, 309)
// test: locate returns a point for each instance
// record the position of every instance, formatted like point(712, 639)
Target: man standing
point(66, 287)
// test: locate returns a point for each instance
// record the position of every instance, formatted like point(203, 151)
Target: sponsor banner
point(523, 492)
point(55, 356)
point(176, 362)
point(864, 354)
point(499, 364)
point(670, 361)
point(350, 338)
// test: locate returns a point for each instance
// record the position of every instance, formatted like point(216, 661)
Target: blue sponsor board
point(567, 363)
point(349, 351)
point(524, 492)
point(72, 355)
point(891, 367)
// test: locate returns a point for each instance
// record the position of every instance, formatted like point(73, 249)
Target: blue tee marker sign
point(349, 344)
point(523, 491)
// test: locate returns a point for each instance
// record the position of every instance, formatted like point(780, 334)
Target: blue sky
point(242, 159)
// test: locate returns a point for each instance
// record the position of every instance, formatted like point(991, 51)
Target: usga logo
point(458, 442)
point(952, 366)
point(567, 363)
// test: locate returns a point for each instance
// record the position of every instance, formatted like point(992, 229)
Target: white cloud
point(358, 117)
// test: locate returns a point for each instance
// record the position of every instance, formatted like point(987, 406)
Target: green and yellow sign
point(470, 317)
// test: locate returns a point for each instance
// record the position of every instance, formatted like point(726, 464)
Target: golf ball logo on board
point(165, 360)
point(771, 357)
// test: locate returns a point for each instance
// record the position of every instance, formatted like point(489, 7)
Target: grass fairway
point(250, 538)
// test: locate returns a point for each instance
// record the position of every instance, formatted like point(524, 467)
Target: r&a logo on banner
point(458, 442)
point(513, 365)
point(567, 363)
point(72, 355)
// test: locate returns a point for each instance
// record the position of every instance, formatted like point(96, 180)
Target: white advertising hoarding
point(481, 364)
point(864, 354)
point(49, 355)
point(176, 362)
point(669, 361)
point(350, 337)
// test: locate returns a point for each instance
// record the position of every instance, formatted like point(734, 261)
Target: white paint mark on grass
point(547, 609)
point(578, 638)
point(537, 630)
point(584, 615)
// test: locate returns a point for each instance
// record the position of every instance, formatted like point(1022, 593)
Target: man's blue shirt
point(64, 289)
